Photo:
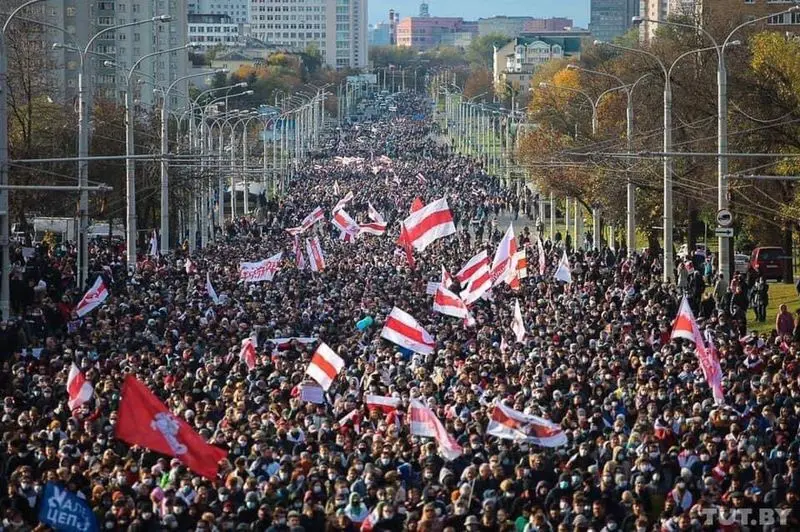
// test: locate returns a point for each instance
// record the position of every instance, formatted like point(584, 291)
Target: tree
point(480, 53)
point(479, 85)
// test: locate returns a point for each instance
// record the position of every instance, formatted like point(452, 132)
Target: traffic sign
point(724, 218)
point(725, 232)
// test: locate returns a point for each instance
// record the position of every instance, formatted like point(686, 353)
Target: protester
point(632, 438)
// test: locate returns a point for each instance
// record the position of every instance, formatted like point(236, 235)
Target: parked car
point(740, 262)
point(768, 261)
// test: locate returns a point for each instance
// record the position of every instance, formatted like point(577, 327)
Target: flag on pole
point(476, 277)
point(416, 204)
point(78, 388)
point(372, 228)
point(248, 353)
point(563, 273)
point(374, 215)
point(502, 266)
point(421, 179)
point(210, 289)
point(518, 325)
point(315, 257)
point(542, 256)
point(425, 423)
point(336, 187)
point(154, 244)
point(342, 203)
point(325, 366)
point(430, 223)
point(345, 223)
point(405, 242)
point(509, 424)
point(299, 260)
point(143, 420)
point(383, 403)
point(402, 329)
point(93, 298)
point(447, 279)
point(448, 303)
point(685, 326)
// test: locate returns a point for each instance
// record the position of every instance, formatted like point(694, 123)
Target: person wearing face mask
point(563, 489)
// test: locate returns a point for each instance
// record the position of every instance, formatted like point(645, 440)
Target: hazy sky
point(578, 10)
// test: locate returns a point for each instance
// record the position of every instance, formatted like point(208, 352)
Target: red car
point(769, 262)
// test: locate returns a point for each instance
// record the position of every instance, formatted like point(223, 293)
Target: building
point(123, 47)
point(458, 39)
point(662, 10)
point(423, 10)
point(208, 31)
point(517, 61)
point(547, 24)
point(337, 28)
point(430, 32)
point(731, 13)
point(508, 26)
point(380, 34)
point(394, 20)
point(238, 10)
point(611, 18)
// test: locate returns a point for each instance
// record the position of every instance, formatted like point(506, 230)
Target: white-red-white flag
point(344, 236)
point(374, 215)
point(325, 366)
point(78, 388)
point(299, 260)
point(448, 303)
point(154, 244)
point(425, 423)
point(520, 262)
point(430, 223)
point(421, 179)
point(447, 279)
point(190, 267)
point(402, 329)
point(343, 202)
point(509, 424)
point(372, 228)
point(542, 256)
point(345, 223)
point(248, 353)
point(210, 289)
point(93, 298)
point(517, 324)
point(685, 326)
point(336, 187)
point(478, 278)
point(383, 403)
point(316, 259)
point(353, 417)
point(503, 266)
point(473, 268)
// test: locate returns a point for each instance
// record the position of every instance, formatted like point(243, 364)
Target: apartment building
point(237, 10)
point(611, 18)
point(209, 31)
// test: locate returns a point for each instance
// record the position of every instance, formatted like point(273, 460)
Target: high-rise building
point(423, 10)
point(547, 24)
point(380, 34)
point(208, 31)
point(658, 10)
point(123, 47)
point(611, 18)
point(238, 10)
point(508, 26)
point(337, 28)
point(424, 33)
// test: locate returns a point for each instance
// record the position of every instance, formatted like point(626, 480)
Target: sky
point(578, 10)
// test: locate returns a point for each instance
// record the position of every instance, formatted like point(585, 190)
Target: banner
point(253, 272)
point(64, 511)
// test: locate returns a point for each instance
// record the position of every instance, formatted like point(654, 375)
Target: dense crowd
point(648, 449)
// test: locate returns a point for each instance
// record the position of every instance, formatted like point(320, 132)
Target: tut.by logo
point(745, 516)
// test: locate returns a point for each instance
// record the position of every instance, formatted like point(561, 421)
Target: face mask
point(251, 505)
point(146, 516)
point(563, 506)
point(25, 485)
point(563, 485)
point(110, 525)
point(317, 489)
point(178, 510)
point(173, 525)
point(583, 452)
point(223, 498)
point(122, 480)
point(576, 480)
point(385, 461)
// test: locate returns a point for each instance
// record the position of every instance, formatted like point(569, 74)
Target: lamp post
point(724, 243)
point(630, 187)
point(164, 150)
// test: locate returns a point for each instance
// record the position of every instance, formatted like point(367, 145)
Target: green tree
point(481, 50)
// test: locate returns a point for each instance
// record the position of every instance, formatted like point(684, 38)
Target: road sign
point(725, 232)
point(724, 218)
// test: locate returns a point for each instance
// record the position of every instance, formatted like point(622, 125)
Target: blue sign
point(63, 511)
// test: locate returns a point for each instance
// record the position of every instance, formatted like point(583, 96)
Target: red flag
point(144, 420)
point(416, 204)
point(405, 241)
point(248, 353)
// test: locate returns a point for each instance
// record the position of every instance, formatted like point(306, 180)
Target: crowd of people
point(647, 447)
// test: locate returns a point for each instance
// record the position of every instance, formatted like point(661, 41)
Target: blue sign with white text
point(63, 511)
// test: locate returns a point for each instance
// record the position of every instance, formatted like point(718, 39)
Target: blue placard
point(64, 511)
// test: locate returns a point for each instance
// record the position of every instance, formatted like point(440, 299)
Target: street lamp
point(724, 243)
point(164, 151)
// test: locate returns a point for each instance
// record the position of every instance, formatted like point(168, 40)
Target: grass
point(779, 294)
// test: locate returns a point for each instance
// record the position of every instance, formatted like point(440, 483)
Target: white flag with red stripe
point(210, 289)
point(383, 403)
point(299, 260)
point(372, 228)
point(430, 223)
point(448, 303)
point(351, 417)
point(402, 329)
point(190, 267)
point(421, 179)
point(425, 423)
point(563, 273)
point(78, 388)
point(316, 259)
point(93, 298)
point(447, 279)
point(509, 424)
point(517, 324)
point(336, 187)
point(473, 268)
point(343, 202)
point(685, 326)
point(374, 215)
point(345, 223)
point(542, 256)
point(325, 366)
point(247, 354)
point(313, 217)
point(503, 270)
